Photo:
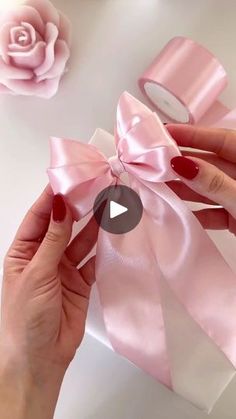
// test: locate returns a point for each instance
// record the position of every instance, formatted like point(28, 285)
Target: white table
point(114, 41)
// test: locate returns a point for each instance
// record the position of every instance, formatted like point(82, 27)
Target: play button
point(118, 209)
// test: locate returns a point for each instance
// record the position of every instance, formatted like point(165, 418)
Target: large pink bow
point(169, 243)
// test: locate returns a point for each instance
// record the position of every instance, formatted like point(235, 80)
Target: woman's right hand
point(207, 177)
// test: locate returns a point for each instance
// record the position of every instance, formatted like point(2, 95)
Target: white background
point(114, 41)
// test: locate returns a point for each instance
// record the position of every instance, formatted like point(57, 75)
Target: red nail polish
point(58, 209)
point(185, 167)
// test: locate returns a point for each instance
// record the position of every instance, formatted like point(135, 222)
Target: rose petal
point(62, 54)
point(65, 29)
point(24, 14)
point(51, 35)
point(46, 89)
point(31, 31)
point(50, 88)
point(5, 39)
point(47, 11)
point(31, 59)
point(13, 32)
point(17, 47)
point(11, 72)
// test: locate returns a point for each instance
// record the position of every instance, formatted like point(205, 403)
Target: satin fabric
point(200, 371)
point(168, 243)
point(194, 76)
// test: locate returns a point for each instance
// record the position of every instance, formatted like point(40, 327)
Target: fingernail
point(185, 167)
point(58, 209)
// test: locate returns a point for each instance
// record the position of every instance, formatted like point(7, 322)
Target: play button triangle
point(116, 209)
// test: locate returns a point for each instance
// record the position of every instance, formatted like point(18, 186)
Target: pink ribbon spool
point(184, 82)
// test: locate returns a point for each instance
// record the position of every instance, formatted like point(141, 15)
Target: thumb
point(207, 180)
point(58, 235)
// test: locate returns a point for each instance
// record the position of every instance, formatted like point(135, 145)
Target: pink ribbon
point(169, 243)
point(194, 78)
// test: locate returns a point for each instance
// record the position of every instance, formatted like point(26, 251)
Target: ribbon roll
point(184, 82)
point(168, 248)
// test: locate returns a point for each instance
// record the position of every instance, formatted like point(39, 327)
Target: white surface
point(166, 102)
point(114, 41)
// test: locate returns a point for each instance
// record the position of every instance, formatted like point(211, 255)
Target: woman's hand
point(44, 306)
point(207, 177)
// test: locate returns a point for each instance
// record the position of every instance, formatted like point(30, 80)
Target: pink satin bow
point(169, 243)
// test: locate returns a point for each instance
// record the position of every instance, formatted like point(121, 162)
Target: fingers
point(37, 219)
point(187, 194)
point(213, 218)
point(207, 180)
point(83, 243)
point(222, 164)
point(216, 219)
point(33, 228)
point(79, 284)
point(219, 141)
point(88, 271)
point(57, 236)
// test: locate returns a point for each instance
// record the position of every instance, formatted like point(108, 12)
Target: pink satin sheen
point(195, 77)
point(168, 243)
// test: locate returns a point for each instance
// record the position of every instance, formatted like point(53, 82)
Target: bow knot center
point(116, 165)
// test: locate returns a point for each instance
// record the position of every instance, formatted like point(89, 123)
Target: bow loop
point(144, 146)
point(78, 171)
point(130, 112)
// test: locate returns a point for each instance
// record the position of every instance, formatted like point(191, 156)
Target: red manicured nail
point(185, 167)
point(58, 209)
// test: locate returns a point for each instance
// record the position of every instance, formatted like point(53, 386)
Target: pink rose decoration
point(34, 49)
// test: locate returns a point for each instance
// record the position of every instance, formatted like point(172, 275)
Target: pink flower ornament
point(34, 49)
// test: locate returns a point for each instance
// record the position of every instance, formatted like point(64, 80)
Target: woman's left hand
point(45, 297)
